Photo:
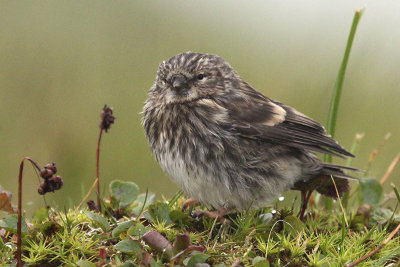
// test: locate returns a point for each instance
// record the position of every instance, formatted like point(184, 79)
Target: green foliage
point(337, 90)
point(9, 222)
point(83, 263)
point(99, 219)
point(122, 227)
point(75, 238)
point(197, 258)
point(160, 212)
point(371, 191)
point(129, 246)
point(293, 225)
point(124, 192)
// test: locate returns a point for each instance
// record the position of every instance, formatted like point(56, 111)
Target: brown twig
point(390, 169)
point(87, 195)
point(375, 152)
point(340, 202)
point(392, 234)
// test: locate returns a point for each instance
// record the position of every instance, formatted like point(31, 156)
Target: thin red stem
point(19, 239)
point(19, 223)
point(98, 169)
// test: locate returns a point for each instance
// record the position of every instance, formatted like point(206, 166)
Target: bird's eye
point(200, 77)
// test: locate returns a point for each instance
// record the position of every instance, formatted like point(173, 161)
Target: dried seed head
point(48, 171)
point(51, 182)
point(107, 118)
point(55, 183)
point(43, 187)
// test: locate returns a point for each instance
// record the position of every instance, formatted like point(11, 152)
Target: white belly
point(195, 183)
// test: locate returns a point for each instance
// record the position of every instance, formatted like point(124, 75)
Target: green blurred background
point(61, 61)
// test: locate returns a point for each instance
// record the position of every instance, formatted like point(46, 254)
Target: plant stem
point(334, 106)
point(19, 239)
point(337, 89)
point(87, 195)
point(98, 169)
point(19, 222)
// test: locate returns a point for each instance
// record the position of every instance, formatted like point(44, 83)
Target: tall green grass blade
point(337, 90)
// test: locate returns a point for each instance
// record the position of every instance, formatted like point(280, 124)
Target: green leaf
point(197, 258)
point(261, 260)
point(263, 263)
point(371, 191)
point(154, 263)
point(177, 215)
point(160, 212)
point(9, 222)
point(124, 192)
point(121, 228)
point(138, 230)
point(82, 263)
point(137, 205)
point(293, 225)
point(99, 219)
point(129, 246)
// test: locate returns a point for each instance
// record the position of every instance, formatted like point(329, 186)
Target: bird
point(229, 146)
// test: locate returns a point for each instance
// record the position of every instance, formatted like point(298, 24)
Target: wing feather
point(255, 116)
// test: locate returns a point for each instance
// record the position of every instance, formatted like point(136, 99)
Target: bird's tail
point(341, 179)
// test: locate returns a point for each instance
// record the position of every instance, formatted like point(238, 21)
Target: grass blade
point(337, 90)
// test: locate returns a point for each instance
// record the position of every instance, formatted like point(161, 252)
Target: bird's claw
point(197, 214)
point(191, 202)
point(218, 214)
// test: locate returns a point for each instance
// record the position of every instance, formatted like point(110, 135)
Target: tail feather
point(327, 188)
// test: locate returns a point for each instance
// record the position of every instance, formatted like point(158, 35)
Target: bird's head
point(191, 76)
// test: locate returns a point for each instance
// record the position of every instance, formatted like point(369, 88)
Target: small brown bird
point(228, 145)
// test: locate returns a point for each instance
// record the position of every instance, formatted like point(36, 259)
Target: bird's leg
point(305, 197)
point(219, 214)
point(190, 202)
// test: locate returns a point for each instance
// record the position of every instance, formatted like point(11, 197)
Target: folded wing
point(258, 117)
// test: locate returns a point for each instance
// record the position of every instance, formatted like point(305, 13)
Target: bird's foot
point(217, 214)
point(305, 197)
point(190, 202)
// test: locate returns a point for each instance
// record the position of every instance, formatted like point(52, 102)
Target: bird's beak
point(178, 82)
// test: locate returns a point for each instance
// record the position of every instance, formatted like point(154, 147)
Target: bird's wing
point(255, 116)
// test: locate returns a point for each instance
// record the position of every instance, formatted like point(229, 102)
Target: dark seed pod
point(107, 118)
point(56, 182)
point(43, 188)
point(52, 167)
point(46, 173)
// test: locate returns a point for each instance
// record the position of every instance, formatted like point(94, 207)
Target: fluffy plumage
point(227, 144)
